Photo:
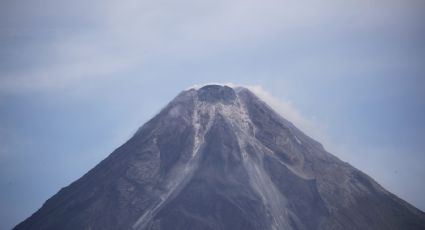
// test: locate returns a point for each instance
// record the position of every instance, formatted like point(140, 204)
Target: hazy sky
point(77, 78)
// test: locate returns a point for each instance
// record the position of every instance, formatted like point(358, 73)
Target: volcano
point(218, 158)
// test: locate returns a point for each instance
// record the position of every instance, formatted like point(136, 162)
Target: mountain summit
point(219, 158)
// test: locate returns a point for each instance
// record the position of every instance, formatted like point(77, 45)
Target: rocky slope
point(220, 158)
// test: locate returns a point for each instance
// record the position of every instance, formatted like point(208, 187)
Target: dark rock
point(219, 158)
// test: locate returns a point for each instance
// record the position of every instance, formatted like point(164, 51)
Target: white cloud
point(287, 110)
point(125, 34)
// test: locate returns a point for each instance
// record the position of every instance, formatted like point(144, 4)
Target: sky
point(77, 78)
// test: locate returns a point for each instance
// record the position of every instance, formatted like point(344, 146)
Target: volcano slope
point(219, 158)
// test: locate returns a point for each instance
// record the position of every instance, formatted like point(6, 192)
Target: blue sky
point(77, 78)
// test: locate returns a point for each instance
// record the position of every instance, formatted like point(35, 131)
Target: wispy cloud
point(285, 108)
point(127, 35)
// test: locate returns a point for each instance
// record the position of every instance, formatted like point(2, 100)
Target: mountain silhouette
point(219, 158)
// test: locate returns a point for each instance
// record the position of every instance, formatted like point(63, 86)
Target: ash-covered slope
point(220, 158)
